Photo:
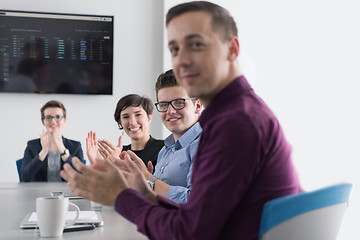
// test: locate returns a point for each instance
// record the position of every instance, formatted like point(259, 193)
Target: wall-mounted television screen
point(56, 53)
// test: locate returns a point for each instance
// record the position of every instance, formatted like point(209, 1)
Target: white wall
point(137, 63)
point(303, 59)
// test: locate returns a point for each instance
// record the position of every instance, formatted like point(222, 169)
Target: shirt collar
point(238, 85)
point(186, 139)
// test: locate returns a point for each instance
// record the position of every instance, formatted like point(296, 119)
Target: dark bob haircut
point(135, 101)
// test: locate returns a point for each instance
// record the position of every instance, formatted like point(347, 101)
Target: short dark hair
point(223, 22)
point(166, 79)
point(132, 100)
point(52, 104)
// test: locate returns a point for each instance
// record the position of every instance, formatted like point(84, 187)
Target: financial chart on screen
point(56, 53)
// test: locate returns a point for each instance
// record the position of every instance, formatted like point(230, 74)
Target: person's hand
point(121, 163)
point(55, 137)
point(92, 148)
point(140, 164)
point(150, 167)
point(44, 140)
point(118, 161)
point(45, 145)
point(107, 149)
point(135, 177)
point(101, 185)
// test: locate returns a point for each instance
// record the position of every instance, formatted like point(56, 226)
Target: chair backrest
point(315, 215)
point(18, 166)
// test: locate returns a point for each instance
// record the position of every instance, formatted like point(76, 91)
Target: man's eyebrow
point(188, 37)
point(171, 42)
point(192, 36)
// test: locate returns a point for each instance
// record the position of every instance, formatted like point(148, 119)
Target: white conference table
point(18, 199)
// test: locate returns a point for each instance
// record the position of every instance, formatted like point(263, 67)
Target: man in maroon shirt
point(243, 158)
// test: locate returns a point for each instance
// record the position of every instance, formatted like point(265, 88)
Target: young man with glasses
point(243, 159)
point(179, 113)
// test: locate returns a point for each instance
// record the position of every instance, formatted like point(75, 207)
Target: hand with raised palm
point(92, 148)
point(107, 149)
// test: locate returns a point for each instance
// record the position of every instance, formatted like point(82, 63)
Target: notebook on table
point(85, 217)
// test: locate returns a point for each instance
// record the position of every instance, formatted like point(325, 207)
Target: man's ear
point(234, 48)
point(198, 106)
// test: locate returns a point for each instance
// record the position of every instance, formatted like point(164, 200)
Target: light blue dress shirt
point(174, 164)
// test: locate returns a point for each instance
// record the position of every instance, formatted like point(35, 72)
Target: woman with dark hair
point(44, 157)
point(133, 114)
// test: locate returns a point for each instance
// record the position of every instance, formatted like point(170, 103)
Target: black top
point(150, 152)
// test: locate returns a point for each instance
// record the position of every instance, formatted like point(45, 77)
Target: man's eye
point(197, 44)
point(174, 50)
point(178, 102)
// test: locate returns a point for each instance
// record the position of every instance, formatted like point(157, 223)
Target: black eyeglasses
point(49, 118)
point(177, 104)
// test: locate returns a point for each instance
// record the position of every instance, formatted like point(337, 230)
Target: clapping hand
point(135, 173)
point(104, 184)
point(92, 149)
point(44, 140)
point(101, 184)
point(56, 138)
point(108, 149)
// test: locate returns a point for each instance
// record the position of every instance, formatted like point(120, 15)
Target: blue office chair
point(315, 215)
point(18, 166)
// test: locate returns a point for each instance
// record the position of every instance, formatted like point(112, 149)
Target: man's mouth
point(173, 119)
point(189, 77)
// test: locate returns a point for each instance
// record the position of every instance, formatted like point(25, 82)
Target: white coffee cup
point(51, 214)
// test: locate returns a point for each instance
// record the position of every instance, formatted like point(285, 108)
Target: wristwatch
point(66, 151)
point(151, 181)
